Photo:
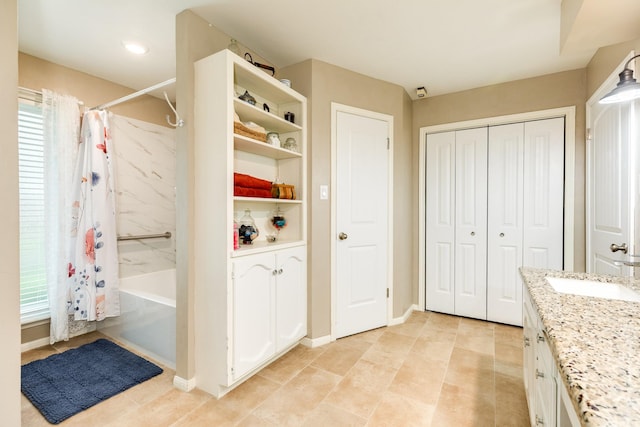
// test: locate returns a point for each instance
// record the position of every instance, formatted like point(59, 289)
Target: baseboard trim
point(316, 342)
point(400, 320)
point(183, 384)
point(40, 342)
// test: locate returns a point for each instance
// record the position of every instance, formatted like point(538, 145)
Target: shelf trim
point(265, 200)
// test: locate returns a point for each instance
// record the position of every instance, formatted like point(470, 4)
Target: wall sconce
point(627, 88)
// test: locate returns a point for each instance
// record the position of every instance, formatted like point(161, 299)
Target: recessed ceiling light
point(136, 48)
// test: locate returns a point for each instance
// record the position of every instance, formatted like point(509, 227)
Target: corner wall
point(539, 93)
point(323, 84)
point(9, 262)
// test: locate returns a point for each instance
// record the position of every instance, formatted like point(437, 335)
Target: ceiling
point(446, 46)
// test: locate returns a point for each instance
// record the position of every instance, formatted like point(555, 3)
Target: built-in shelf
point(260, 148)
point(271, 122)
point(263, 246)
point(265, 200)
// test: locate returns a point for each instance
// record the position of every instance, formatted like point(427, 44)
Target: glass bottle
point(248, 230)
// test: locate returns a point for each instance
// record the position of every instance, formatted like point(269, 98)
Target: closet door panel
point(440, 218)
point(544, 201)
point(505, 223)
point(471, 223)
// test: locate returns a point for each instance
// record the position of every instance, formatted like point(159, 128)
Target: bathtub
point(147, 320)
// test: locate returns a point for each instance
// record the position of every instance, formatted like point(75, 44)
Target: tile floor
point(433, 370)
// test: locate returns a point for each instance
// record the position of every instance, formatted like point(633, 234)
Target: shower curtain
point(93, 261)
point(61, 133)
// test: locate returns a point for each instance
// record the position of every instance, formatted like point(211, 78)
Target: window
point(33, 286)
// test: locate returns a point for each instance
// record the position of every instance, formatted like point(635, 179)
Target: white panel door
point(440, 218)
point(610, 171)
point(362, 223)
point(291, 296)
point(544, 195)
point(253, 312)
point(505, 223)
point(470, 273)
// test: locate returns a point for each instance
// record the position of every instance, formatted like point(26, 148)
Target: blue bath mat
point(67, 383)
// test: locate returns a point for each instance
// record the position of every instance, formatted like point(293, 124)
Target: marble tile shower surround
point(145, 194)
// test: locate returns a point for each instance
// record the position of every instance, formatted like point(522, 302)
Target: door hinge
point(388, 143)
point(588, 134)
point(387, 292)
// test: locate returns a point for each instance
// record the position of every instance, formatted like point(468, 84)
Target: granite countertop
point(596, 345)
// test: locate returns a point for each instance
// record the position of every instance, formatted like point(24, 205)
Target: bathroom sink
point(590, 288)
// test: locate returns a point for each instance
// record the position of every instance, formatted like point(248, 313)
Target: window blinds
point(33, 287)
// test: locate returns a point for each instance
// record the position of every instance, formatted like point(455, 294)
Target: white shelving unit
point(250, 303)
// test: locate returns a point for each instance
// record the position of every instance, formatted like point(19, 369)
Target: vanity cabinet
point(250, 304)
point(547, 398)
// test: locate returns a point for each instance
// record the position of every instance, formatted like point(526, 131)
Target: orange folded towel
point(248, 181)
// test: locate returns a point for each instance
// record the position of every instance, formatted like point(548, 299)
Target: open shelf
point(254, 146)
point(270, 122)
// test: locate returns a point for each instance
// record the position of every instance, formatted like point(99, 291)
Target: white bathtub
point(147, 320)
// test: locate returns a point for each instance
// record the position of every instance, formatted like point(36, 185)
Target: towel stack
point(249, 186)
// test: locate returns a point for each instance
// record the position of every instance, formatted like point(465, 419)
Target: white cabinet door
point(440, 221)
point(544, 198)
point(505, 225)
point(291, 297)
point(470, 273)
point(253, 312)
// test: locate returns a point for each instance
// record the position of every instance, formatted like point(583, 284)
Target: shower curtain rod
point(135, 94)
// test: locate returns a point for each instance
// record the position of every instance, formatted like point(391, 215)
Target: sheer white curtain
point(61, 127)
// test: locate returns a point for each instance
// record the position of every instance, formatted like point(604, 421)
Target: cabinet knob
point(539, 374)
point(280, 271)
point(501, 234)
point(274, 272)
point(473, 233)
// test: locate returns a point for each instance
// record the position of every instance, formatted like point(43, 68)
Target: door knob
point(616, 248)
point(342, 236)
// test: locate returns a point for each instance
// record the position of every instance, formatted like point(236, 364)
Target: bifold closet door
point(544, 194)
point(526, 210)
point(470, 250)
point(505, 223)
point(440, 221)
point(456, 215)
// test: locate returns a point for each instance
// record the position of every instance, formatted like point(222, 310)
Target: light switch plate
point(324, 192)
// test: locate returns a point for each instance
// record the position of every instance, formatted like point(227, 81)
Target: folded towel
point(251, 192)
point(248, 181)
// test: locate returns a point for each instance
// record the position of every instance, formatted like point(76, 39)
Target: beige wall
point(36, 73)
point(606, 61)
point(538, 93)
point(195, 39)
point(323, 84)
point(9, 263)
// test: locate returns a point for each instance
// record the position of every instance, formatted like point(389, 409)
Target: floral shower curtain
point(93, 262)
